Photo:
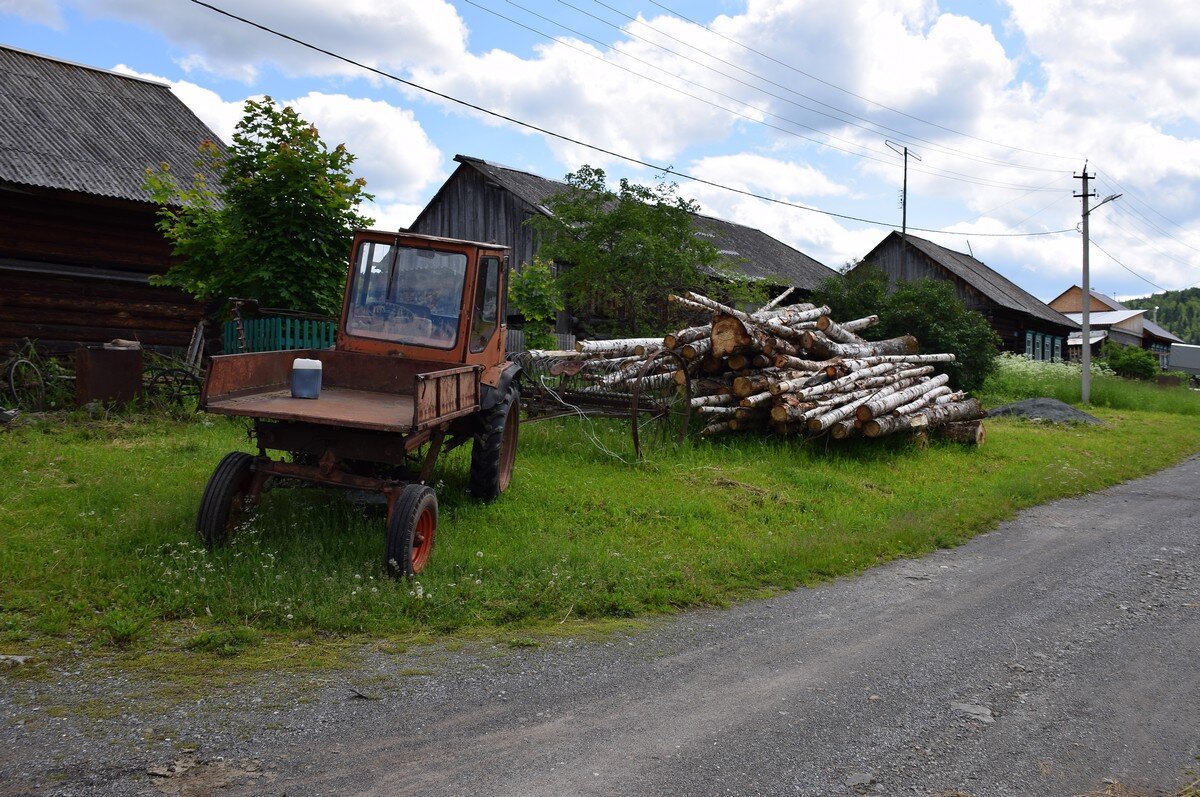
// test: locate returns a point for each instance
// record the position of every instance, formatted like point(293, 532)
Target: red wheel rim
point(422, 542)
point(508, 447)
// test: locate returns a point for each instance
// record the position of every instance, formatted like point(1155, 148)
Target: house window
point(1058, 344)
point(1029, 344)
point(1037, 345)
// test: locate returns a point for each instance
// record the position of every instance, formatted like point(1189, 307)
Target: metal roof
point(1105, 319)
point(1075, 337)
point(987, 281)
point(751, 251)
point(76, 128)
point(1148, 325)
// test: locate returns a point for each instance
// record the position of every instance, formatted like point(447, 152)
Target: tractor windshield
point(406, 294)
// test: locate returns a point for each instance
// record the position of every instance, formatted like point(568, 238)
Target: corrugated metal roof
point(1074, 338)
point(1151, 327)
point(752, 251)
point(987, 281)
point(1105, 319)
point(76, 128)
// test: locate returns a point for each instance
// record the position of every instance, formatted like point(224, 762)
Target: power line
point(1145, 219)
point(934, 171)
point(1147, 281)
point(577, 142)
point(880, 127)
point(810, 76)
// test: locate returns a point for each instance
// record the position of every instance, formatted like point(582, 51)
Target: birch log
point(937, 415)
point(875, 408)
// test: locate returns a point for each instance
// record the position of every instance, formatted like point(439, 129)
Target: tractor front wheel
point(494, 449)
point(411, 525)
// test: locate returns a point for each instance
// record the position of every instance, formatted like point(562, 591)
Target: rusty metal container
point(108, 373)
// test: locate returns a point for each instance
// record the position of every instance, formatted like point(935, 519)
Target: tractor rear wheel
point(411, 525)
point(494, 449)
point(226, 501)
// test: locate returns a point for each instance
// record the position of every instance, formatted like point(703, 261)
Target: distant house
point(1110, 320)
point(78, 242)
point(1025, 324)
point(483, 201)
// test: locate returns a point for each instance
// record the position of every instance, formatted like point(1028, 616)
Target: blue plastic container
point(306, 378)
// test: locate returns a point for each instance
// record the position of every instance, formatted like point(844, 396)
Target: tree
point(279, 225)
point(928, 309)
point(622, 252)
point(535, 295)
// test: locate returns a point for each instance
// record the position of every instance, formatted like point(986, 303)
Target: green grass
point(98, 544)
point(1018, 378)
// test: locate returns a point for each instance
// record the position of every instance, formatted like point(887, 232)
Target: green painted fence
point(277, 333)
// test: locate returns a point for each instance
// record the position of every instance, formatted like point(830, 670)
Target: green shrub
point(1130, 361)
point(535, 295)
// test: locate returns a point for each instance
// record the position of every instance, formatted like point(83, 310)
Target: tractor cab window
point(405, 294)
point(485, 317)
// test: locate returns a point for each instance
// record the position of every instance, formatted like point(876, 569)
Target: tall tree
point(623, 251)
point(279, 225)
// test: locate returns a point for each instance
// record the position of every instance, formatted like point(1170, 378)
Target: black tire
point(494, 448)
point(226, 500)
point(411, 527)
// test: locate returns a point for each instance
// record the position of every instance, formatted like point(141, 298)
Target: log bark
point(696, 349)
point(797, 385)
point(875, 408)
point(905, 345)
point(619, 346)
point(719, 400)
point(720, 412)
point(716, 428)
point(859, 324)
point(937, 415)
point(775, 302)
point(732, 335)
point(757, 400)
point(836, 332)
point(969, 433)
point(843, 429)
point(744, 386)
point(689, 335)
point(924, 400)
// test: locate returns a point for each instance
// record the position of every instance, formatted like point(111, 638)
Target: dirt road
point(1040, 659)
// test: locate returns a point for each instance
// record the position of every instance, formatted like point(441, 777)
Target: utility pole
point(1085, 340)
point(900, 149)
point(1086, 332)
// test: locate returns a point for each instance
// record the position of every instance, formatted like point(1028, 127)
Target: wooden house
point(1111, 320)
point(1025, 324)
point(78, 242)
point(483, 201)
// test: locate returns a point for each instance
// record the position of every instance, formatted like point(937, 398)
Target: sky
point(794, 101)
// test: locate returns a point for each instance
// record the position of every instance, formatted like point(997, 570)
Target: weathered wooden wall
point(472, 207)
point(74, 269)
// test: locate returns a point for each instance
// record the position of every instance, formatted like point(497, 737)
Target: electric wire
point(595, 148)
point(1146, 280)
point(810, 76)
point(886, 159)
point(874, 126)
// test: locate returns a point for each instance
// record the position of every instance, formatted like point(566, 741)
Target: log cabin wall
point(75, 269)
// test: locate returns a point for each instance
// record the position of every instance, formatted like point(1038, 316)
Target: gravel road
point(1059, 650)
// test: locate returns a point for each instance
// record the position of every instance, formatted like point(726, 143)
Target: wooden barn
point(483, 201)
point(77, 237)
point(1025, 324)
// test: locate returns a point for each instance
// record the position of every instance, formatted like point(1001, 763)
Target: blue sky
point(790, 99)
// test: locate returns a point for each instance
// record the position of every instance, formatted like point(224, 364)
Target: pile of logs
point(792, 370)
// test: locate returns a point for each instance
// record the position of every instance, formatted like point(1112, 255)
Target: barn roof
point(752, 251)
point(77, 128)
point(987, 281)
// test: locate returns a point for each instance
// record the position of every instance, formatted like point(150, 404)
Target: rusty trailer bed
point(337, 406)
point(359, 391)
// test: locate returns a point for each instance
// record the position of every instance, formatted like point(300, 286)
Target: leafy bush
point(535, 295)
point(279, 227)
point(1130, 361)
point(928, 309)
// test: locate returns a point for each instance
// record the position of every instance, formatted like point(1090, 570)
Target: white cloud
point(394, 154)
point(41, 12)
point(764, 175)
point(388, 34)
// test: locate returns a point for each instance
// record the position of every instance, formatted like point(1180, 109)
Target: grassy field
point(98, 547)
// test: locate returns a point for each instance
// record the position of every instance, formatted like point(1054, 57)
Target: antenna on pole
point(900, 149)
